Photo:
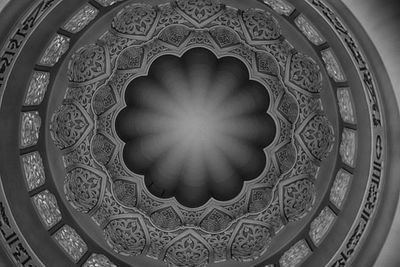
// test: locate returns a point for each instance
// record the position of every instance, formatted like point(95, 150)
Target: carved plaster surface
point(135, 221)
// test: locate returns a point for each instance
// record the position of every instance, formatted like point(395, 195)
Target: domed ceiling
point(192, 133)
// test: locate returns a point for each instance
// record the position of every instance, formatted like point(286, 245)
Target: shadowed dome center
point(196, 127)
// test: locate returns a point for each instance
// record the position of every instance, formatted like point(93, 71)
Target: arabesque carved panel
point(135, 221)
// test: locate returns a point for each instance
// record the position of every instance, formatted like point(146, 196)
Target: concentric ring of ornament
point(98, 183)
point(72, 243)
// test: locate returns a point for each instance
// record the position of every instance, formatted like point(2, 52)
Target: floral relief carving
point(199, 10)
point(215, 221)
point(288, 107)
point(317, 135)
point(188, 250)
point(135, 20)
point(104, 100)
point(169, 15)
point(126, 236)
point(250, 241)
point(126, 192)
point(224, 37)
point(102, 148)
point(131, 58)
point(166, 218)
point(297, 198)
point(259, 198)
point(230, 18)
point(266, 64)
point(305, 73)
point(83, 189)
point(88, 63)
point(175, 35)
point(261, 26)
point(286, 157)
point(134, 220)
point(69, 125)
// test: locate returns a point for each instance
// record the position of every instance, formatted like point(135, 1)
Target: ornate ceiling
point(190, 229)
point(192, 133)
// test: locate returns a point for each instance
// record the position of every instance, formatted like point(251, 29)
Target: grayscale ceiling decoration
point(103, 79)
point(193, 133)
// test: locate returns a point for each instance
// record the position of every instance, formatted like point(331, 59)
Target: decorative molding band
point(361, 226)
point(19, 250)
point(10, 235)
point(19, 36)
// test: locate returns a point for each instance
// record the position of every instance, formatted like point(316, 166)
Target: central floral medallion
point(192, 132)
point(196, 127)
